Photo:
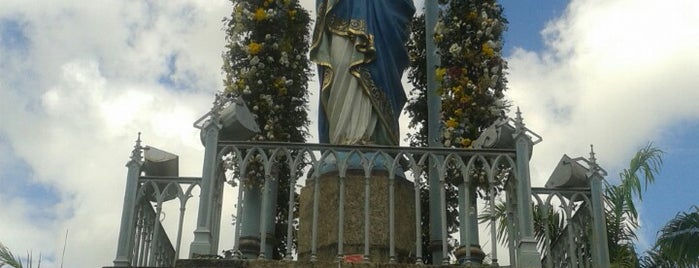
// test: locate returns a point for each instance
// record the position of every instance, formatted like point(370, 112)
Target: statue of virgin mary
point(359, 47)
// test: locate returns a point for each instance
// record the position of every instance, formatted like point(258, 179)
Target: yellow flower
point(452, 122)
point(440, 72)
point(292, 13)
point(459, 112)
point(260, 14)
point(457, 89)
point(465, 99)
point(487, 50)
point(254, 48)
point(466, 142)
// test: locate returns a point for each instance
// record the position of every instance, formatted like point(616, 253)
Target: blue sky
point(79, 80)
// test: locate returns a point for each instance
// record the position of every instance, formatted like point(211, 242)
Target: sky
point(79, 80)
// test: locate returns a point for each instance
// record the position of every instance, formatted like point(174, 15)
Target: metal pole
point(238, 219)
point(418, 217)
point(341, 220)
point(433, 128)
point(266, 196)
point(443, 218)
point(179, 229)
point(290, 220)
point(314, 227)
point(269, 208)
point(493, 236)
point(463, 212)
point(367, 219)
point(571, 235)
point(464, 194)
point(391, 220)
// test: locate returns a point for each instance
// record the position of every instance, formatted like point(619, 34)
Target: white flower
point(455, 49)
point(439, 27)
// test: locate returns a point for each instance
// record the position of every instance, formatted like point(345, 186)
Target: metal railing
point(143, 240)
point(152, 247)
point(459, 170)
point(342, 185)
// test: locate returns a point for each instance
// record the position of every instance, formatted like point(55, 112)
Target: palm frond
point(7, 258)
point(499, 216)
point(678, 240)
point(644, 165)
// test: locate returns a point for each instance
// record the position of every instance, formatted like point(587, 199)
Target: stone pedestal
point(354, 223)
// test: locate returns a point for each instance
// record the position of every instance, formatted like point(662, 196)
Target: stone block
point(354, 222)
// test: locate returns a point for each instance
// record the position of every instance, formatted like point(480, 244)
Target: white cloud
point(615, 74)
point(72, 104)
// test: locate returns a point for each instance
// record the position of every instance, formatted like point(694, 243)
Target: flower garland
point(266, 64)
point(471, 78)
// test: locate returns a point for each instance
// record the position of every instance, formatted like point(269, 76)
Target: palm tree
point(677, 244)
point(620, 210)
point(9, 259)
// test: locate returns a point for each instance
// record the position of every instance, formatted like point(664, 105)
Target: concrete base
point(201, 244)
point(476, 254)
point(353, 226)
point(527, 254)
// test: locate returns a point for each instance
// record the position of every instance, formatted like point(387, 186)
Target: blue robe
point(379, 30)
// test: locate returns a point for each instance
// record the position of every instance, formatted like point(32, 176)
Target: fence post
point(128, 214)
point(204, 241)
point(527, 254)
point(600, 257)
point(434, 135)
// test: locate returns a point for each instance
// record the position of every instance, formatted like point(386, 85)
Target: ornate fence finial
point(219, 101)
point(136, 154)
point(519, 122)
point(593, 160)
